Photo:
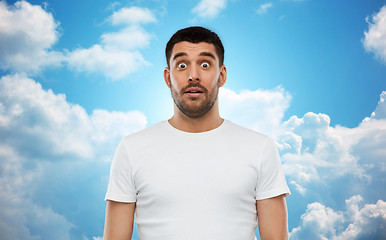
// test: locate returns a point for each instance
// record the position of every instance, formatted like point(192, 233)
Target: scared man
point(196, 176)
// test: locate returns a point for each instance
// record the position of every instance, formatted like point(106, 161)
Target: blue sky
point(76, 76)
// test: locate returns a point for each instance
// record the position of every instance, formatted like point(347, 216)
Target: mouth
point(194, 92)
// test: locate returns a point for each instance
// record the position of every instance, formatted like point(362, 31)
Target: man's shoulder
point(245, 133)
point(147, 133)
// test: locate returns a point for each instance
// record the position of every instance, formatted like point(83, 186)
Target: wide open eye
point(181, 66)
point(205, 65)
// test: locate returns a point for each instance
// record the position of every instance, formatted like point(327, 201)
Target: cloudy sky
point(76, 76)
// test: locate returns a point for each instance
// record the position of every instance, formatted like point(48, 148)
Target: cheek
point(215, 79)
point(179, 79)
point(176, 78)
point(174, 86)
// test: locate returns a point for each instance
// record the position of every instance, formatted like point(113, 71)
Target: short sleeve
point(271, 180)
point(121, 186)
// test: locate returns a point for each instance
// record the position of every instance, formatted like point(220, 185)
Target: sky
point(77, 76)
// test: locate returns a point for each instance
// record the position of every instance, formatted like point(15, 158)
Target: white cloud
point(375, 37)
point(302, 190)
point(313, 152)
point(209, 8)
point(129, 38)
point(264, 8)
point(110, 126)
point(380, 111)
point(44, 123)
point(317, 223)
point(357, 222)
point(22, 219)
point(48, 147)
point(117, 55)
point(40, 122)
point(261, 110)
point(113, 64)
point(27, 33)
point(133, 15)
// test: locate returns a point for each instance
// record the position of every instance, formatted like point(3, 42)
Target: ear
point(167, 76)
point(223, 75)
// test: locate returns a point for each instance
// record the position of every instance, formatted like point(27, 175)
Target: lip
point(194, 92)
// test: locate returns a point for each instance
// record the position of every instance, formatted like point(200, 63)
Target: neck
point(207, 122)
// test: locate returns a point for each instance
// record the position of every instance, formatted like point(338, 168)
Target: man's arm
point(119, 221)
point(272, 218)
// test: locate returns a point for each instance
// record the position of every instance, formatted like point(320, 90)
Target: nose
point(194, 74)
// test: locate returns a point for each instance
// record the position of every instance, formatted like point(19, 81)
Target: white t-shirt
point(196, 185)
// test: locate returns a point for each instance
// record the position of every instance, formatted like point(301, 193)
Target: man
point(196, 176)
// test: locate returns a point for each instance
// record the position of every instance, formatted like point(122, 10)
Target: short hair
point(195, 35)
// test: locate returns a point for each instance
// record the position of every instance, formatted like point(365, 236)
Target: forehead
point(193, 49)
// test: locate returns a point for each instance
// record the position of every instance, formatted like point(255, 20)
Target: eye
point(205, 65)
point(181, 66)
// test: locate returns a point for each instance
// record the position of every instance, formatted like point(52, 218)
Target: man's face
point(194, 77)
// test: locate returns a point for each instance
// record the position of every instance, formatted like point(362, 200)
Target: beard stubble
point(195, 111)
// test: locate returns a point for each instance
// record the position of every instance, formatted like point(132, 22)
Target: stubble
point(188, 107)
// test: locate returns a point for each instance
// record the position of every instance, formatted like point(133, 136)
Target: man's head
point(195, 71)
point(195, 35)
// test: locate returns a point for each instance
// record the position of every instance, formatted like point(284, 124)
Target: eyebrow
point(207, 54)
point(180, 54)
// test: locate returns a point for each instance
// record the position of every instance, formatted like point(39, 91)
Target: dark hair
point(195, 35)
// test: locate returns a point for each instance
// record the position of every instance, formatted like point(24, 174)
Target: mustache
point(194, 85)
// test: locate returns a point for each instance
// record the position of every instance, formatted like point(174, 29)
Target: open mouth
point(194, 92)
